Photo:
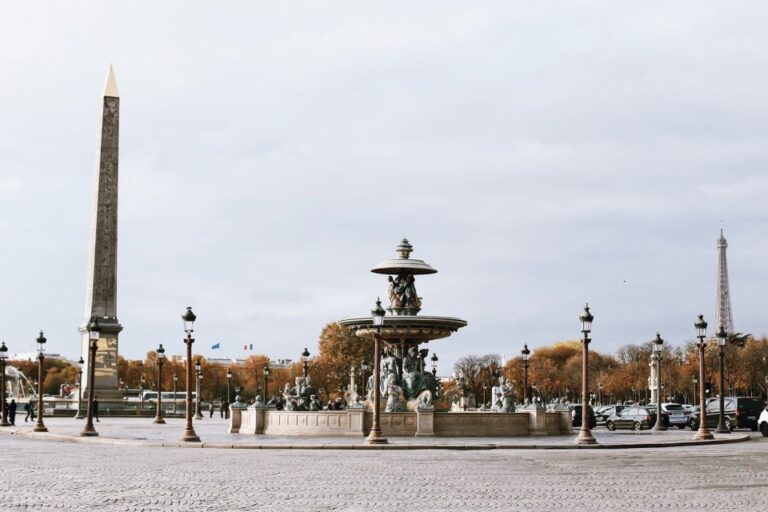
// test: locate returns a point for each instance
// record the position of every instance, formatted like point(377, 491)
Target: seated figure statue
point(393, 395)
point(508, 397)
point(415, 379)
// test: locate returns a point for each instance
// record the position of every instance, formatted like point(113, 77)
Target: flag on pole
point(250, 347)
point(214, 347)
point(245, 347)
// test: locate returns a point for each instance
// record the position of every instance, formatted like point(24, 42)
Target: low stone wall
point(358, 422)
point(394, 424)
point(481, 424)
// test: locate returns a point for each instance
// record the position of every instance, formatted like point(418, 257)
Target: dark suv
point(576, 416)
point(739, 412)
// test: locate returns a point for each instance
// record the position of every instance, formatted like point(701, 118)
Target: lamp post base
point(376, 437)
point(88, 432)
point(722, 430)
point(159, 420)
point(189, 436)
point(703, 434)
point(659, 428)
point(5, 423)
point(585, 437)
point(40, 428)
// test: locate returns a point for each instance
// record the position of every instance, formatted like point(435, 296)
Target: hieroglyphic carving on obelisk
point(101, 287)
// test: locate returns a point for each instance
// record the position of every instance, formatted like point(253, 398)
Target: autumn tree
point(339, 350)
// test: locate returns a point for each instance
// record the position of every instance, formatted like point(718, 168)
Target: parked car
point(576, 416)
point(603, 413)
point(747, 410)
point(739, 412)
point(677, 415)
point(762, 422)
point(634, 417)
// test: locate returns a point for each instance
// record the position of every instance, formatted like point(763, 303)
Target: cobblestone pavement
point(48, 475)
point(213, 432)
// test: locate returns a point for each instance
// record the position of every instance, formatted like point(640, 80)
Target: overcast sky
point(271, 153)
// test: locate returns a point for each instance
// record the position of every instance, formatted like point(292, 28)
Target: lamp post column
point(198, 412)
point(658, 344)
point(93, 334)
point(189, 434)
point(160, 361)
point(526, 355)
point(266, 383)
point(721, 339)
point(79, 414)
point(585, 435)
point(229, 381)
point(40, 426)
point(175, 379)
point(376, 436)
point(695, 381)
point(703, 433)
point(3, 406)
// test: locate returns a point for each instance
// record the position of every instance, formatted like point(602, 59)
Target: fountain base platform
point(420, 423)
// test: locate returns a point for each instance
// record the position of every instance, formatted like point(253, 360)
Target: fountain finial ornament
point(404, 249)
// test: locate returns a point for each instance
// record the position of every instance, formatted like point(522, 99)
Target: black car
point(636, 418)
point(576, 416)
point(739, 412)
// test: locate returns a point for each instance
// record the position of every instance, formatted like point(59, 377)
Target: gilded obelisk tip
point(110, 88)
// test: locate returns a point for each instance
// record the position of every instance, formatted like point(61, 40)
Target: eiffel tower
point(723, 314)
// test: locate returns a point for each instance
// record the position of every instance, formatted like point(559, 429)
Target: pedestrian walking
point(210, 409)
point(29, 407)
point(12, 412)
point(226, 410)
point(96, 408)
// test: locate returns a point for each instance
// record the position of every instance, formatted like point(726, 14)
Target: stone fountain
point(403, 362)
point(406, 386)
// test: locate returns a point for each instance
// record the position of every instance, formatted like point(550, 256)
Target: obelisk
point(101, 286)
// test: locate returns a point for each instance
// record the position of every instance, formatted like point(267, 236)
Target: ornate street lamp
point(198, 382)
point(526, 357)
point(160, 363)
point(79, 414)
point(722, 336)
point(229, 381)
point(189, 432)
point(695, 381)
point(585, 435)
point(375, 436)
point(175, 380)
point(3, 407)
point(485, 394)
point(93, 339)
point(142, 382)
point(40, 426)
point(600, 391)
point(703, 433)
point(266, 381)
point(305, 361)
point(658, 346)
point(434, 364)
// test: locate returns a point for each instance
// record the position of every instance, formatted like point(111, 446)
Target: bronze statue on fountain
point(405, 381)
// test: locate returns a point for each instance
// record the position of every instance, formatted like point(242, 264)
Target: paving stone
point(53, 475)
